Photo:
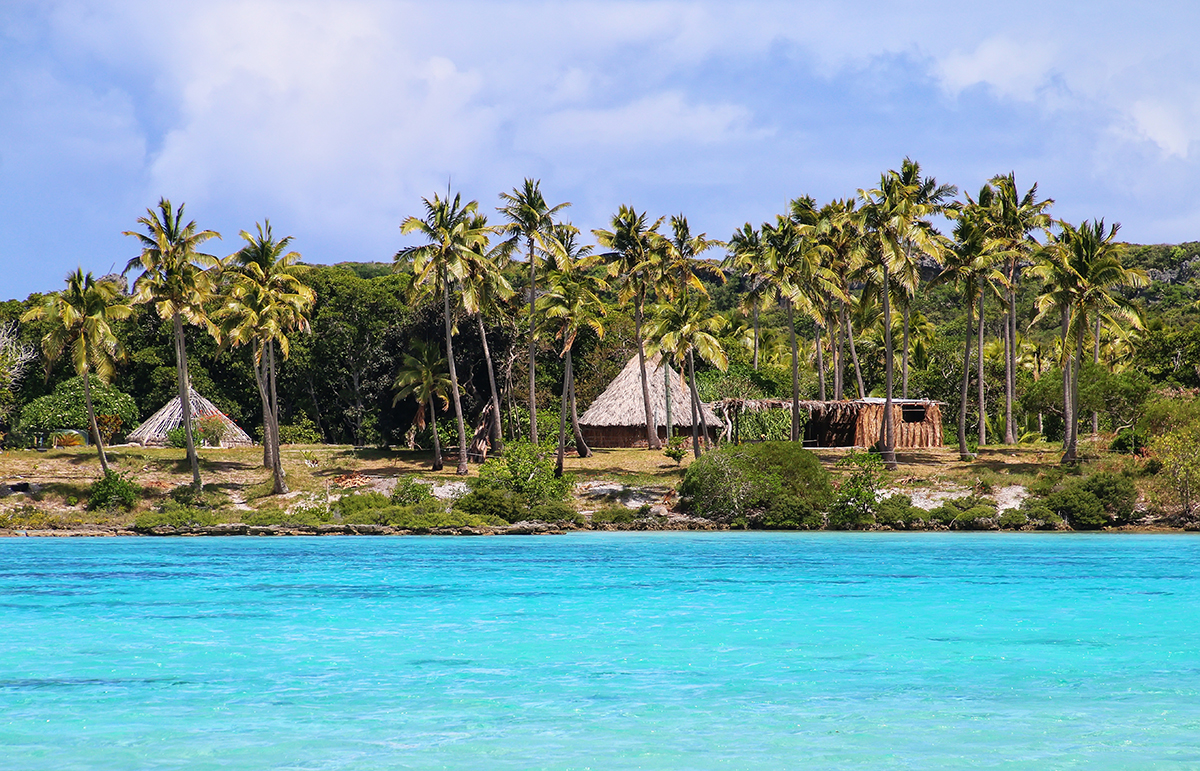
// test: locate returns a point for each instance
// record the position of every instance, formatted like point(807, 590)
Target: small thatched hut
point(856, 423)
point(154, 430)
point(618, 416)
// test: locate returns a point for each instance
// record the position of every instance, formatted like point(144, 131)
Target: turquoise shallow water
point(602, 651)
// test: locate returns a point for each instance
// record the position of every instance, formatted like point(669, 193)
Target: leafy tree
point(80, 315)
point(173, 278)
point(423, 376)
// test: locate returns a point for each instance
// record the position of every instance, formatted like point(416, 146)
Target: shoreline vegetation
point(343, 491)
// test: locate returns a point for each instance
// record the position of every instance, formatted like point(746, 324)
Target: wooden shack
point(856, 423)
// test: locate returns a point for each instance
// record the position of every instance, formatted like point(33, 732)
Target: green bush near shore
point(768, 485)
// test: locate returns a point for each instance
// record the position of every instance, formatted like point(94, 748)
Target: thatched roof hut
point(154, 430)
point(618, 416)
point(855, 423)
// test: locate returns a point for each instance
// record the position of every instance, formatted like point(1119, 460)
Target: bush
point(898, 511)
point(613, 513)
point(1128, 441)
point(525, 470)
point(1012, 519)
point(675, 450)
point(187, 495)
point(177, 437)
point(66, 408)
point(967, 513)
point(354, 503)
point(303, 431)
point(555, 511)
point(979, 517)
point(772, 484)
point(1115, 492)
point(491, 502)
point(300, 516)
point(112, 491)
point(1081, 508)
point(409, 491)
point(175, 516)
point(854, 506)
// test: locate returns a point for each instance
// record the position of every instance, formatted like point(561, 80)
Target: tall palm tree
point(530, 219)
point(424, 377)
point(570, 304)
point(636, 247)
point(747, 255)
point(484, 289)
point(681, 328)
point(79, 317)
point(457, 236)
point(842, 238)
point(174, 278)
point(264, 301)
point(1081, 273)
point(1013, 220)
point(971, 267)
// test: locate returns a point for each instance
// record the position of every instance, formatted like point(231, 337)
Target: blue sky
point(333, 119)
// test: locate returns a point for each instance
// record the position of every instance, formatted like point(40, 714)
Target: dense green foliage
point(65, 408)
point(767, 485)
point(112, 491)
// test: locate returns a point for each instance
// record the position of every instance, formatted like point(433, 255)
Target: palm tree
point(458, 236)
point(530, 219)
point(841, 236)
point(748, 256)
point(636, 247)
point(1011, 222)
point(265, 301)
point(1081, 273)
point(79, 317)
point(175, 280)
point(681, 328)
point(423, 376)
point(569, 304)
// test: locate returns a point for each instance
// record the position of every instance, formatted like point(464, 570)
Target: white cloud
point(1017, 69)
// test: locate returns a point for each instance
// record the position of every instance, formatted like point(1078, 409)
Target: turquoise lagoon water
point(602, 651)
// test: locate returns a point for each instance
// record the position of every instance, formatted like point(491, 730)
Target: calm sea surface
point(602, 651)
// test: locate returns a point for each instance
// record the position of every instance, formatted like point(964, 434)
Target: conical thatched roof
point(154, 430)
point(621, 403)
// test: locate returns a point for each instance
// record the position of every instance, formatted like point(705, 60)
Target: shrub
point(854, 506)
point(675, 450)
point(175, 516)
point(898, 511)
point(1128, 441)
point(67, 439)
point(772, 484)
point(211, 429)
point(29, 518)
point(554, 511)
point(177, 437)
point(409, 491)
point(491, 502)
point(1115, 492)
point(66, 408)
point(1081, 508)
point(113, 490)
point(303, 431)
point(979, 517)
point(613, 513)
point(350, 505)
point(525, 470)
point(300, 516)
point(1012, 519)
point(187, 495)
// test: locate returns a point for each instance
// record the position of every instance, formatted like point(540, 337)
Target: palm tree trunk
point(795, 373)
point(260, 361)
point(1010, 362)
point(982, 390)
point(862, 390)
point(581, 446)
point(533, 434)
point(497, 440)
point(697, 413)
point(963, 453)
point(755, 314)
point(888, 449)
point(462, 430)
point(839, 361)
point(820, 361)
point(1068, 444)
point(280, 485)
point(666, 368)
point(1096, 360)
point(437, 442)
point(87, 397)
point(185, 399)
point(904, 358)
point(652, 442)
point(562, 420)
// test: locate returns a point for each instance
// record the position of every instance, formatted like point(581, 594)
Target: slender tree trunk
point(260, 361)
point(1077, 370)
point(820, 361)
point(1068, 418)
point(754, 312)
point(982, 390)
point(581, 445)
point(963, 453)
point(862, 390)
point(697, 412)
point(839, 366)
point(666, 368)
point(312, 394)
point(533, 434)
point(497, 440)
point(652, 442)
point(562, 420)
point(462, 430)
point(438, 464)
point(185, 400)
point(904, 358)
point(888, 450)
point(280, 486)
point(1010, 360)
point(87, 397)
point(1096, 360)
point(795, 373)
